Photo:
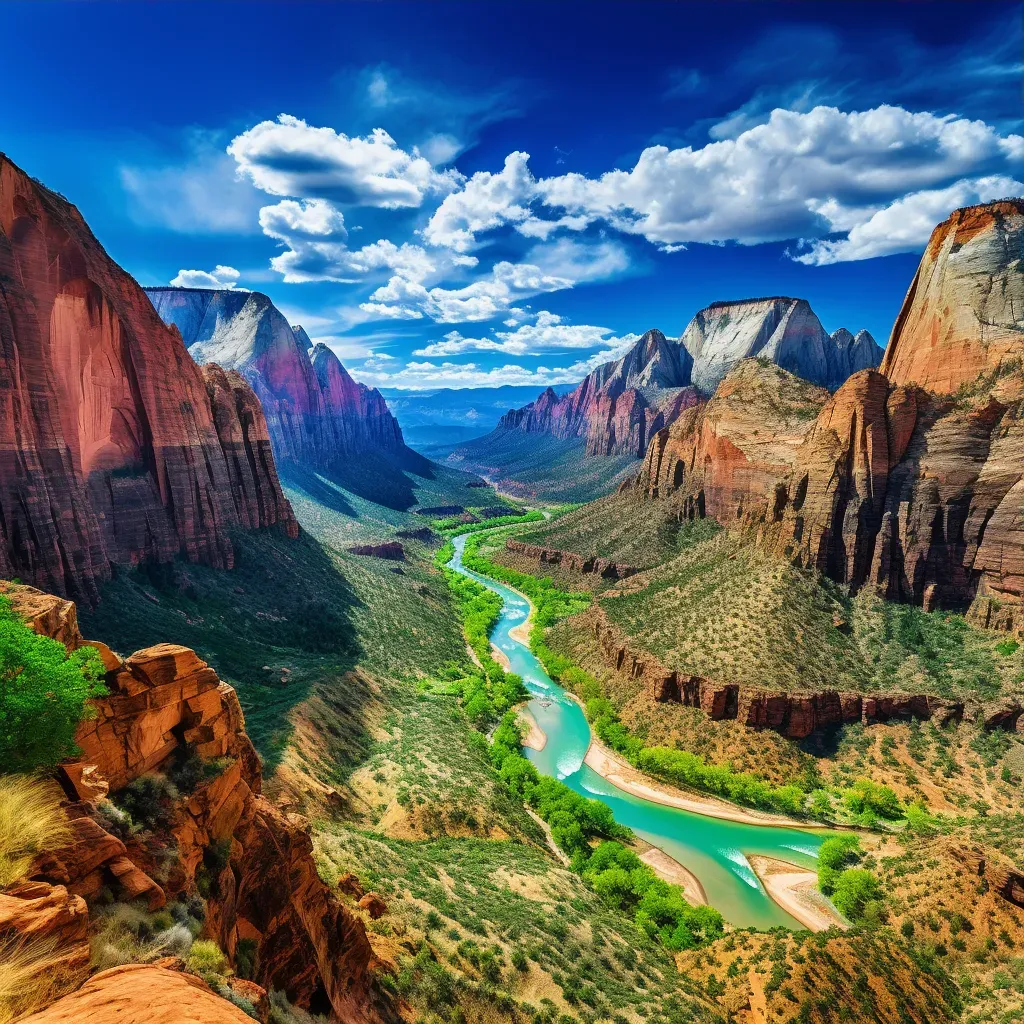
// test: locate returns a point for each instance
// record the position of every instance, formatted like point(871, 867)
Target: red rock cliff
point(112, 448)
point(161, 700)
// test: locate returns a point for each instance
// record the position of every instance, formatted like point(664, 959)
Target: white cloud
point(548, 334)
point(907, 224)
point(315, 236)
point(797, 175)
point(419, 375)
point(289, 157)
point(549, 268)
point(220, 277)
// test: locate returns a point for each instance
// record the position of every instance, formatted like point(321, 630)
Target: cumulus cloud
point(547, 269)
point(425, 374)
point(797, 175)
point(219, 277)
point(906, 224)
point(316, 240)
point(548, 334)
point(289, 157)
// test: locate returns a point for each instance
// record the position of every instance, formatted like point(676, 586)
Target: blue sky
point(477, 194)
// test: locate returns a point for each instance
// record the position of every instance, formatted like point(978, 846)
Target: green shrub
point(854, 890)
point(44, 692)
point(205, 958)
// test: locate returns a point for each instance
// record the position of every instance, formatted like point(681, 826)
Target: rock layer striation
point(114, 445)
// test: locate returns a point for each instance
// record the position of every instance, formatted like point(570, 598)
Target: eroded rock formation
point(165, 703)
point(893, 481)
point(795, 715)
point(112, 448)
point(569, 560)
point(317, 414)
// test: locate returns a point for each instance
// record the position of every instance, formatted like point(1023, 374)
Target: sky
point(465, 195)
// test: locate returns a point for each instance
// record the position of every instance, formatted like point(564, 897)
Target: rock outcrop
point(962, 317)
point(141, 994)
point(782, 330)
point(911, 479)
point(164, 703)
point(569, 560)
point(317, 415)
point(390, 549)
point(795, 715)
point(112, 447)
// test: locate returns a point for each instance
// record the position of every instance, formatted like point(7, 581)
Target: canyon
point(908, 478)
point(317, 415)
point(115, 447)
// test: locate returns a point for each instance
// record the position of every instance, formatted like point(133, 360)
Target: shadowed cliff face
point(113, 445)
point(914, 490)
point(316, 413)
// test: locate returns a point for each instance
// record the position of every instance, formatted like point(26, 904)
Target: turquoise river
point(714, 849)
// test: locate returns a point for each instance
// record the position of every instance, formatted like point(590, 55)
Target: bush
point(854, 890)
point(205, 958)
point(148, 800)
point(31, 822)
point(44, 692)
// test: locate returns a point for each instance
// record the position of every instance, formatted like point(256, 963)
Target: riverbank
point(620, 773)
point(671, 870)
point(535, 737)
point(796, 890)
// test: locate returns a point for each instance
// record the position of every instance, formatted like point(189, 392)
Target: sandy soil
point(672, 871)
point(535, 738)
point(501, 657)
point(620, 773)
point(795, 889)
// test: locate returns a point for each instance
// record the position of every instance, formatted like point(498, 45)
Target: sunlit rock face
point(910, 479)
point(110, 449)
point(964, 313)
point(317, 415)
point(782, 330)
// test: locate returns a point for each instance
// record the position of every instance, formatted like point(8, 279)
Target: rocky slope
point(782, 330)
point(165, 703)
point(916, 491)
point(115, 447)
point(316, 413)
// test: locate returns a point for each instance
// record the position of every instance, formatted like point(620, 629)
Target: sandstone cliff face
point(315, 412)
point(161, 701)
point(962, 315)
point(619, 406)
point(569, 560)
point(783, 330)
point(110, 447)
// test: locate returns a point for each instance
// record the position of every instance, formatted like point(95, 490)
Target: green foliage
point(454, 525)
point(44, 692)
point(865, 796)
point(854, 890)
point(205, 958)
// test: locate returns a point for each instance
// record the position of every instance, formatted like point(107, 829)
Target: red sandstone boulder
point(373, 905)
point(141, 994)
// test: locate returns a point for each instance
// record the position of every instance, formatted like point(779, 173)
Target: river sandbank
point(671, 870)
point(795, 889)
point(535, 737)
point(619, 772)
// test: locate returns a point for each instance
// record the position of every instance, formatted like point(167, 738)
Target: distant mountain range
point(620, 406)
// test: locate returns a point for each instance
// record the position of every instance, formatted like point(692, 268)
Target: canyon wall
point(164, 703)
point(318, 416)
point(114, 446)
point(588, 565)
point(910, 488)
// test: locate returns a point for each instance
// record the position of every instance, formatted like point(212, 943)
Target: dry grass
point(33, 973)
point(31, 822)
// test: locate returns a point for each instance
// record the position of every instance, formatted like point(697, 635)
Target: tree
point(43, 695)
point(853, 890)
